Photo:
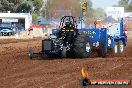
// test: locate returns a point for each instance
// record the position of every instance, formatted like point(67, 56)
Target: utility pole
point(81, 13)
point(83, 10)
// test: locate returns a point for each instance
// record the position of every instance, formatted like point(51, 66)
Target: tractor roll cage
point(71, 19)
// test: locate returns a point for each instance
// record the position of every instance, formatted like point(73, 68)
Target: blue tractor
point(68, 41)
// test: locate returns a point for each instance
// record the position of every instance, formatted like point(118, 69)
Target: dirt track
point(17, 71)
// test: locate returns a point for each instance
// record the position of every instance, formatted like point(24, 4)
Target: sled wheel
point(30, 53)
point(120, 46)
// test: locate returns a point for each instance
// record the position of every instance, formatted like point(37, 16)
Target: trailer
point(68, 41)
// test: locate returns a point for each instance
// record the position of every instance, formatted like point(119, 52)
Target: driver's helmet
point(67, 23)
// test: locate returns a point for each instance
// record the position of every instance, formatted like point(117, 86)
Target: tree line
point(45, 9)
point(21, 6)
point(127, 4)
point(36, 8)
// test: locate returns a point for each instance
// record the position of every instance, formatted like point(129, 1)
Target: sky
point(103, 3)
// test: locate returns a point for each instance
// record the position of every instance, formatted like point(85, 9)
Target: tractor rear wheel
point(82, 46)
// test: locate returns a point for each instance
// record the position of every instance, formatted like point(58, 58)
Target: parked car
point(5, 31)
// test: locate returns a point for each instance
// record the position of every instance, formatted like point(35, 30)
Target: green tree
point(15, 2)
point(34, 17)
point(25, 7)
point(6, 6)
point(129, 7)
point(38, 5)
point(99, 13)
point(72, 5)
point(90, 9)
point(125, 4)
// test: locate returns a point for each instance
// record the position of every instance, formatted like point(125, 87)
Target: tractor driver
point(69, 30)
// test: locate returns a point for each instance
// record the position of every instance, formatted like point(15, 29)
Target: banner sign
point(9, 20)
point(115, 12)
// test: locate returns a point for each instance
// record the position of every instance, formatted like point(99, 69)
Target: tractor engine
point(55, 45)
point(52, 45)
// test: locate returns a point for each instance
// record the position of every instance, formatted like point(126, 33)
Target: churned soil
point(18, 71)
